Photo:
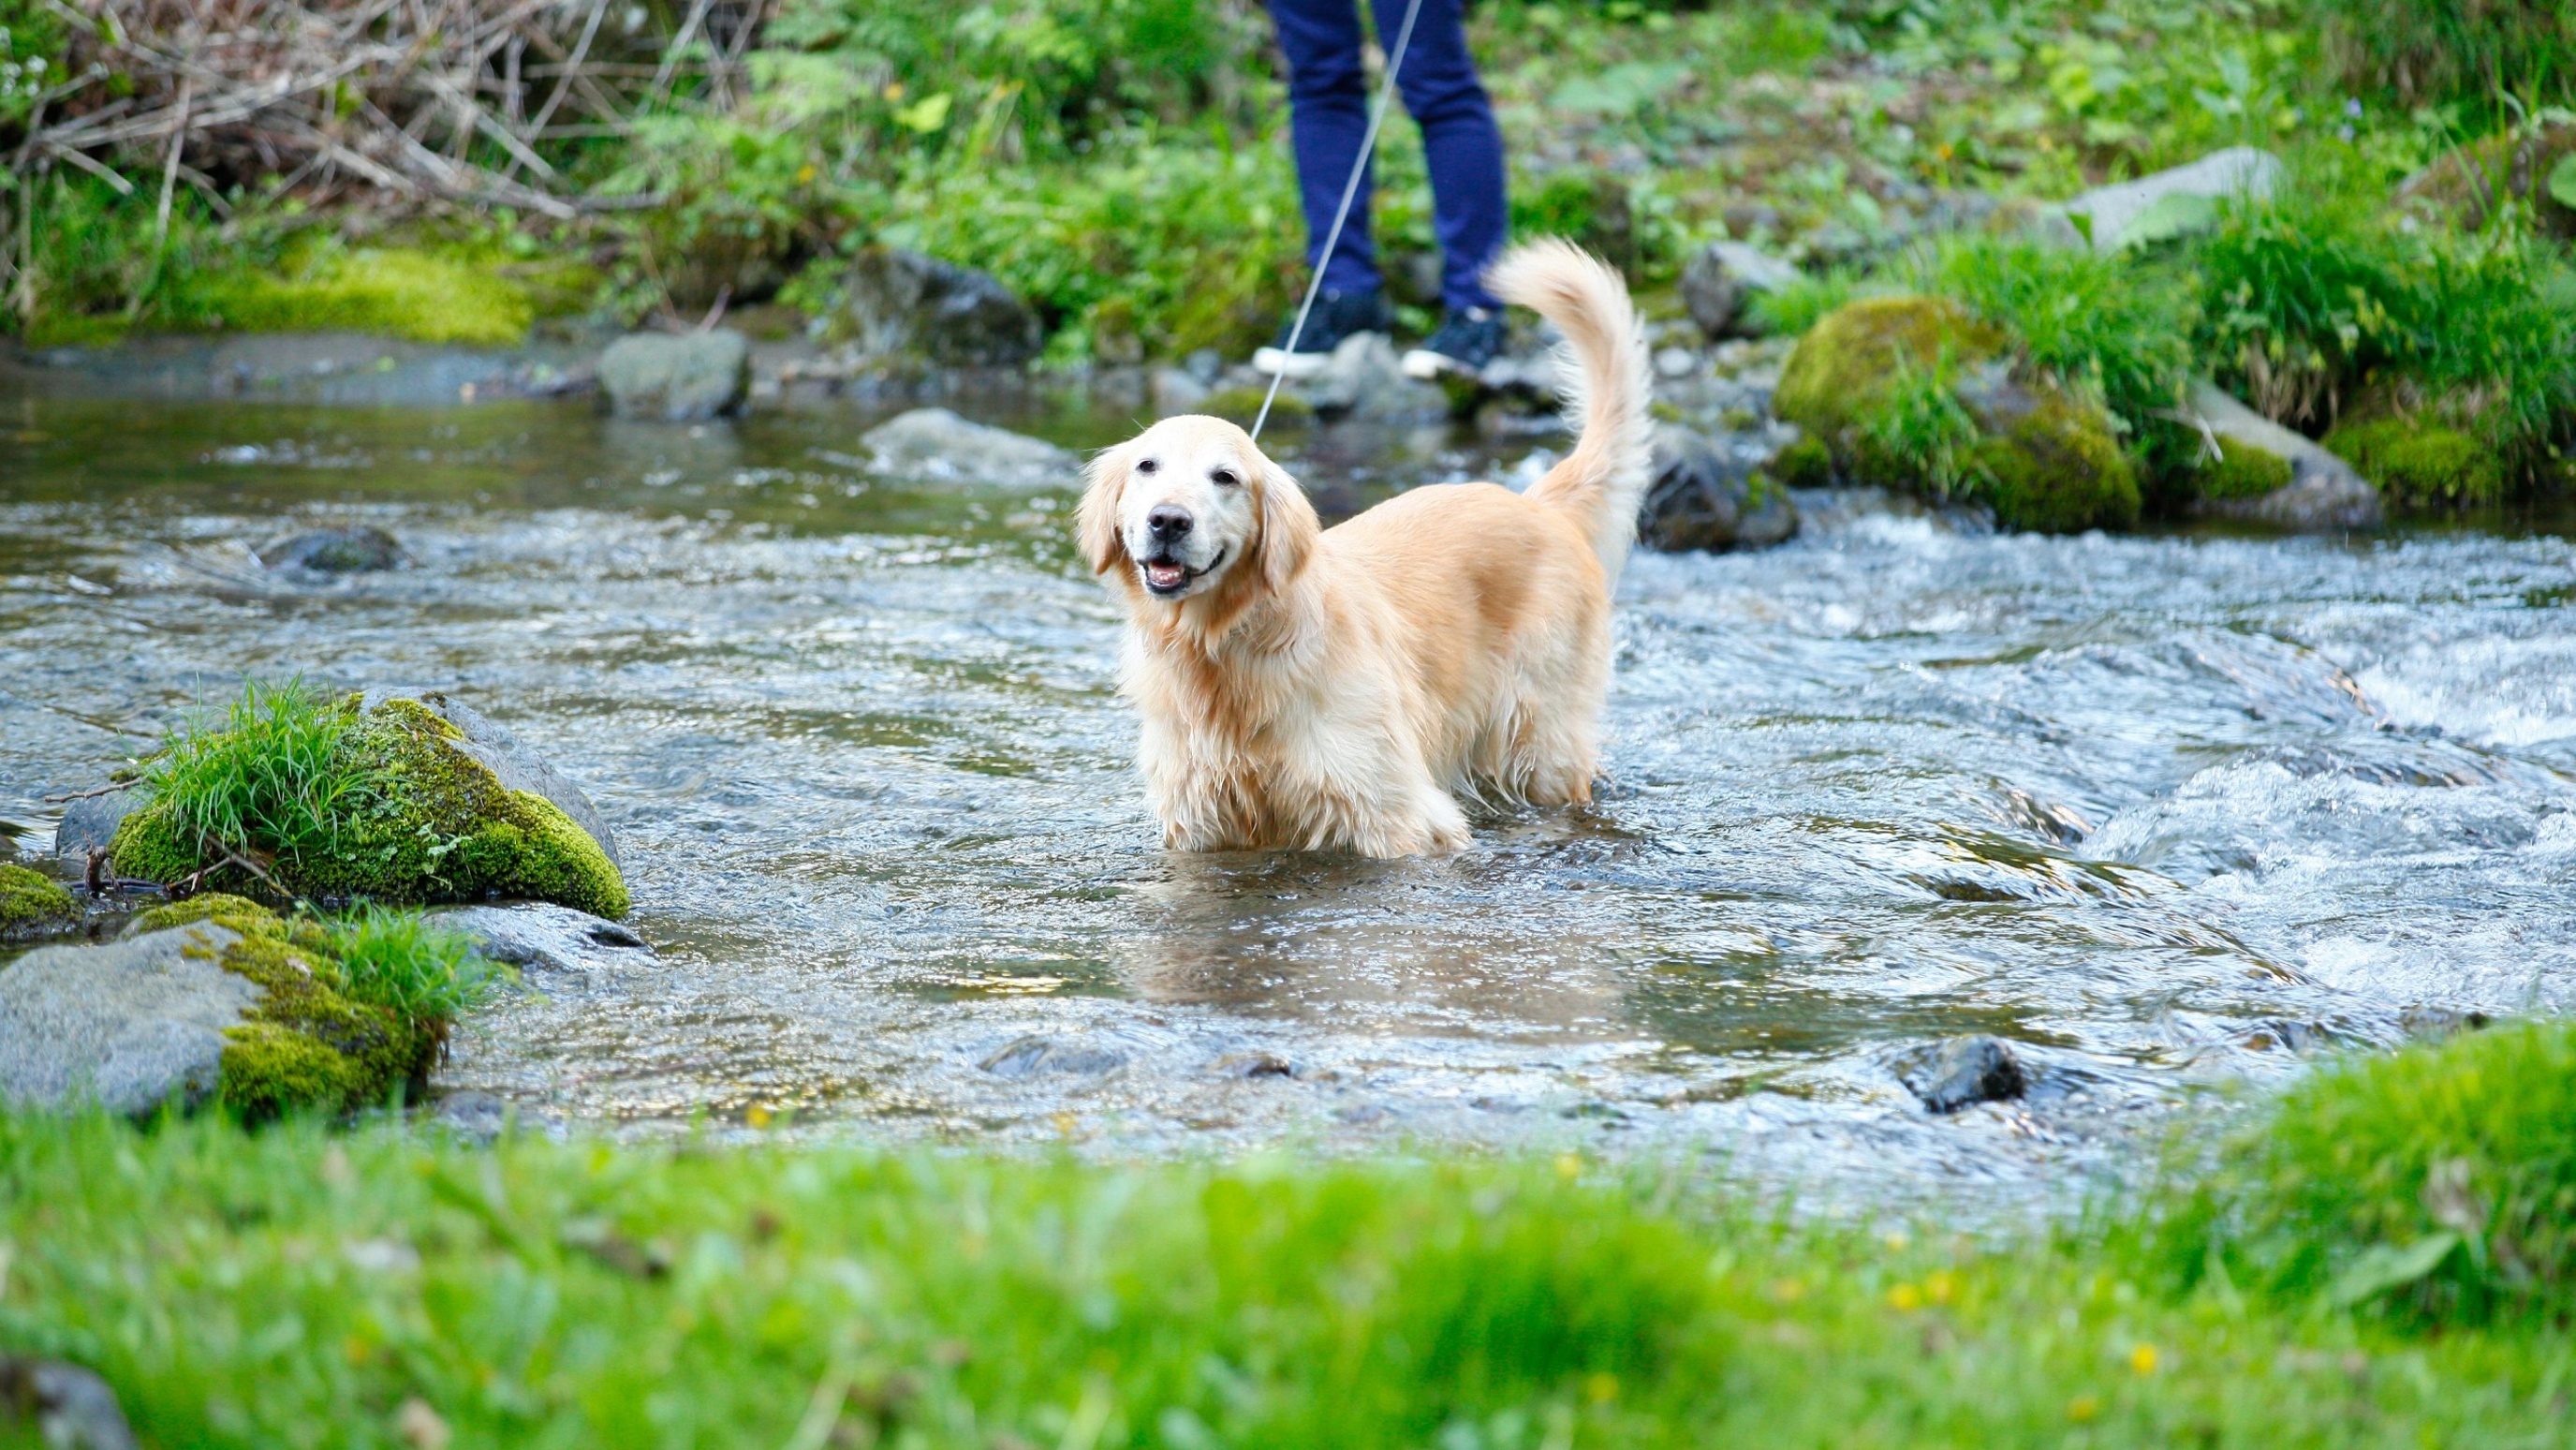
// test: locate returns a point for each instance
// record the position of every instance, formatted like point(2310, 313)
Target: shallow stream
point(2170, 813)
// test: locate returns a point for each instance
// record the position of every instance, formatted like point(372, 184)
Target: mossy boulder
point(33, 905)
point(1851, 362)
point(215, 996)
point(2043, 458)
point(434, 815)
point(2421, 463)
point(2055, 466)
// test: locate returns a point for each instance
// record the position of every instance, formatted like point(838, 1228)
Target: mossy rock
point(31, 904)
point(2058, 469)
point(305, 1045)
point(434, 824)
point(1802, 463)
point(2241, 471)
point(1849, 362)
point(2420, 463)
point(2044, 460)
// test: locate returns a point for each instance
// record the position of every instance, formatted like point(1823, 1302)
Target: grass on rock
point(296, 794)
point(294, 1285)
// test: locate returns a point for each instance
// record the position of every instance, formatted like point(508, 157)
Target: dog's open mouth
point(1167, 578)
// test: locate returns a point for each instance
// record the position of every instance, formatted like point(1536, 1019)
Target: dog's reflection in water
point(1344, 940)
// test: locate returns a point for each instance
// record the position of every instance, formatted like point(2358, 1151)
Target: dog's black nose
point(1168, 522)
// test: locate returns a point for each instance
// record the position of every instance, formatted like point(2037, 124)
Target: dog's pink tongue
point(1163, 576)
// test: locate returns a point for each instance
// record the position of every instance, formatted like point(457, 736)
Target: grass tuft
point(268, 776)
point(401, 960)
point(2435, 1187)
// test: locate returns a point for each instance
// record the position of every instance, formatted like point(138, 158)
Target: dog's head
point(1192, 507)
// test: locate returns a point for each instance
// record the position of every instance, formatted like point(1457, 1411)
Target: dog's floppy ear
point(1289, 527)
point(1095, 520)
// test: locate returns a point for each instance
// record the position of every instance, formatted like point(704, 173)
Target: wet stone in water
point(356, 549)
point(1040, 1056)
point(1963, 1072)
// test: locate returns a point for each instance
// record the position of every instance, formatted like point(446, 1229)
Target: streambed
point(2172, 814)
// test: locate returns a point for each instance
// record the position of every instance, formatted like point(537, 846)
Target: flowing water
point(2168, 813)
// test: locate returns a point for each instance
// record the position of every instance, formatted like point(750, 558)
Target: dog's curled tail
point(1605, 476)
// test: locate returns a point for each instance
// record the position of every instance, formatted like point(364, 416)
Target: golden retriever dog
point(1342, 689)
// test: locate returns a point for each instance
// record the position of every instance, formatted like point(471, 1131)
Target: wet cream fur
point(1343, 689)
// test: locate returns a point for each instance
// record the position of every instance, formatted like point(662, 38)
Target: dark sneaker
point(1468, 339)
point(1336, 318)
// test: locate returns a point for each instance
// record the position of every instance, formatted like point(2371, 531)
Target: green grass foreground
point(300, 1286)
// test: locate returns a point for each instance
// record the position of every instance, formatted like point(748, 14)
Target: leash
point(1350, 191)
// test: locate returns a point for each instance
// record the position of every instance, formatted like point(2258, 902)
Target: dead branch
point(417, 100)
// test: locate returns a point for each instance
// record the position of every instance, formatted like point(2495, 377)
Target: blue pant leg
point(1328, 113)
point(1460, 142)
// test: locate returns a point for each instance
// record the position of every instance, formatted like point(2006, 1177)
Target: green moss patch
point(1882, 384)
point(2421, 463)
point(328, 801)
point(2058, 469)
point(1851, 363)
point(338, 1026)
point(31, 903)
point(2241, 472)
point(396, 291)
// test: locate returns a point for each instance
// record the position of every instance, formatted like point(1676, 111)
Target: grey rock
point(518, 767)
point(1255, 1065)
point(89, 824)
point(2324, 494)
point(937, 444)
point(542, 935)
point(903, 305)
point(1041, 1056)
point(69, 1407)
point(687, 378)
point(1177, 391)
point(1364, 379)
point(354, 549)
point(477, 1117)
point(1962, 1072)
point(128, 1024)
point(2177, 201)
point(1703, 497)
point(1722, 277)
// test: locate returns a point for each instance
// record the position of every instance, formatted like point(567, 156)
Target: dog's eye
point(1224, 478)
point(1146, 465)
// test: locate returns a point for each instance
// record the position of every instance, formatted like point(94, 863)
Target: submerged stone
point(686, 378)
point(442, 816)
point(33, 905)
point(353, 549)
point(1963, 1072)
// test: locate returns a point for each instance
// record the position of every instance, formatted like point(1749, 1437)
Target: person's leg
point(1328, 112)
point(1460, 142)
